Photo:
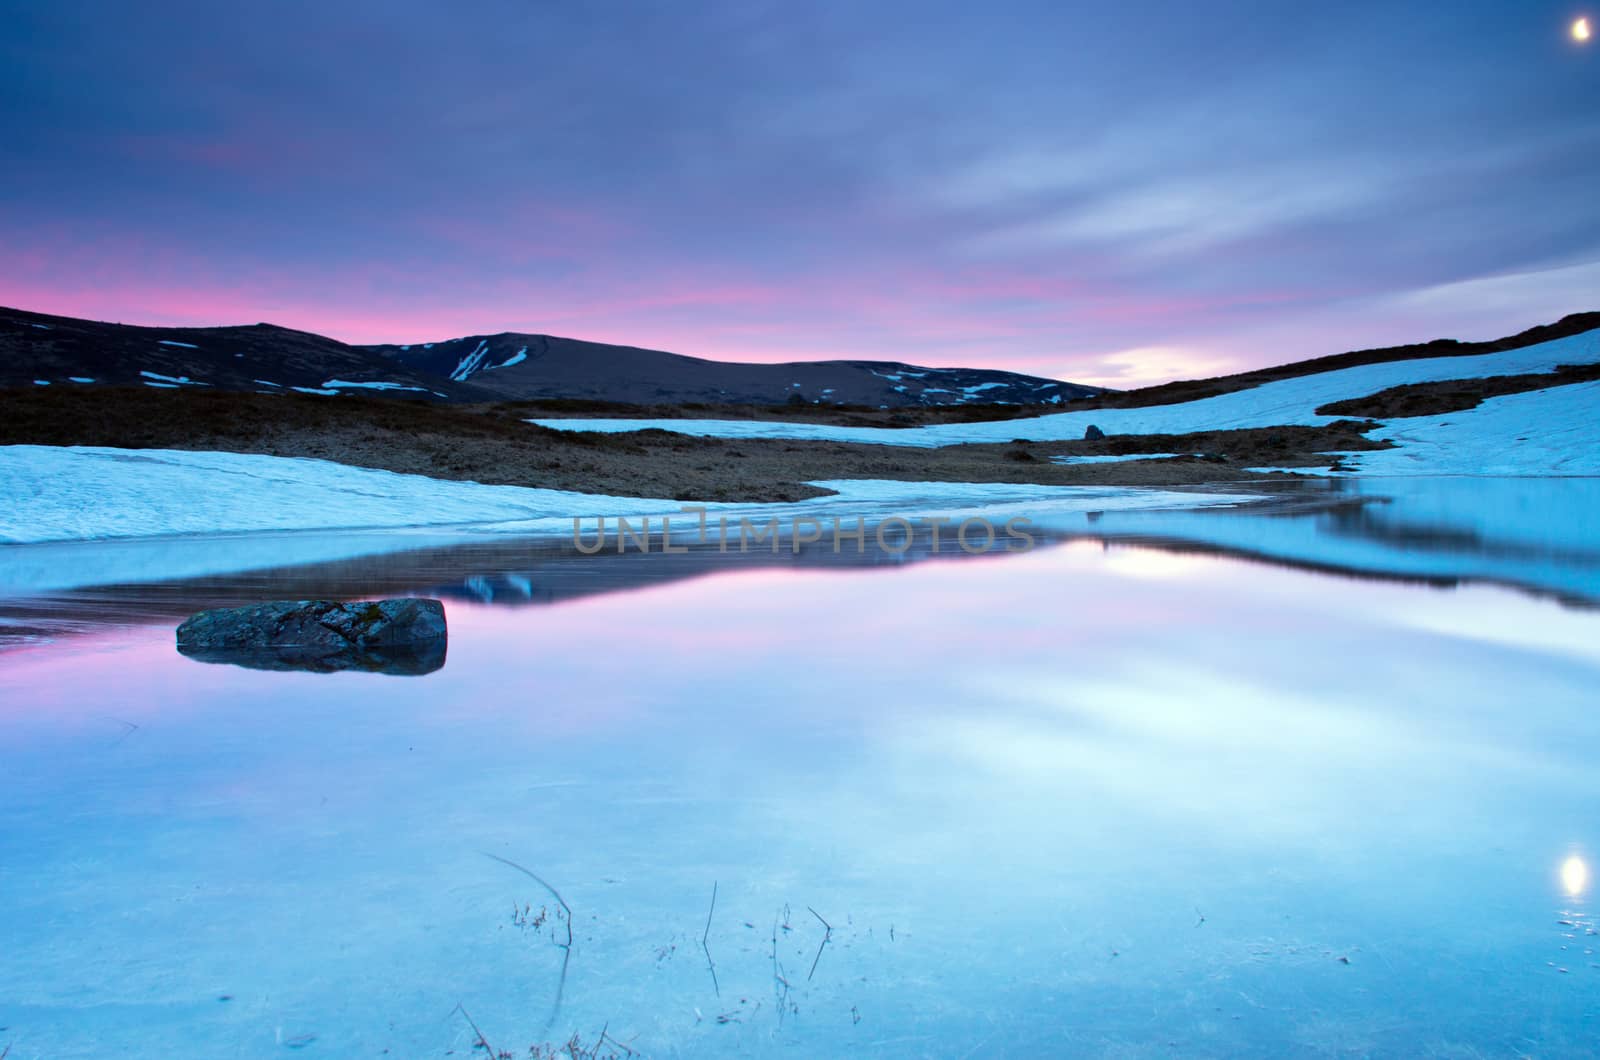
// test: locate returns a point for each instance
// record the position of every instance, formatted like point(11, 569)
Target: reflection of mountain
point(504, 572)
point(1538, 535)
point(1541, 535)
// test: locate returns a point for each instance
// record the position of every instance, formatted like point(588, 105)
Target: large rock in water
point(387, 636)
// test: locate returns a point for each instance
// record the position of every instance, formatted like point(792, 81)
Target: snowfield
point(1283, 403)
point(93, 516)
point(164, 513)
point(1552, 432)
point(80, 492)
point(61, 493)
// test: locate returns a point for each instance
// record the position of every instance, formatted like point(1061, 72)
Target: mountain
point(41, 350)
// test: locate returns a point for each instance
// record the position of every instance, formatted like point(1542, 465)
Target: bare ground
point(1454, 395)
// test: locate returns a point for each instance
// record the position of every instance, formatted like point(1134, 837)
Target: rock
point(387, 636)
point(315, 624)
point(1093, 434)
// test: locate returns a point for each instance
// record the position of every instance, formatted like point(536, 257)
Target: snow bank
point(343, 384)
point(1119, 458)
point(1286, 402)
point(54, 493)
point(1540, 432)
point(90, 516)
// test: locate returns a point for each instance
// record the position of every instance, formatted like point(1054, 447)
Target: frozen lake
point(1090, 799)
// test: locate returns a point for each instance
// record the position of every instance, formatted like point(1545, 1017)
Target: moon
point(1580, 30)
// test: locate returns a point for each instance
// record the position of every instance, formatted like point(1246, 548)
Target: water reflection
point(1574, 876)
point(399, 660)
point(1540, 536)
point(1007, 784)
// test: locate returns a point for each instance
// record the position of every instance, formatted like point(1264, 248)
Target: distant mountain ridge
point(514, 366)
point(38, 349)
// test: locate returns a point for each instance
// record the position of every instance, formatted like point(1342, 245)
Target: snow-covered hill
point(1548, 431)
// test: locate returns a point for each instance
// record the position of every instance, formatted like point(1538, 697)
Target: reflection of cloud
point(1154, 562)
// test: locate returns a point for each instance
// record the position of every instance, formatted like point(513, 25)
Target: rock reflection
point(394, 659)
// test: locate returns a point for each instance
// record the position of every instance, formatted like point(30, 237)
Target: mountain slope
point(38, 349)
point(1195, 389)
point(515, 366)
point(1292, 399)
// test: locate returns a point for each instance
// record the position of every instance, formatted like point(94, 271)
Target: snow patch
point(184, 345)
point(471, 362)
point(1117, 459)
point(173, 380)
point(341, 384)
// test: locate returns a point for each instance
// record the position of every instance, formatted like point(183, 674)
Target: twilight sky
point(1105, 192)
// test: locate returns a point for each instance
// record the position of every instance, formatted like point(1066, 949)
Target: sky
point(1111, 193)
